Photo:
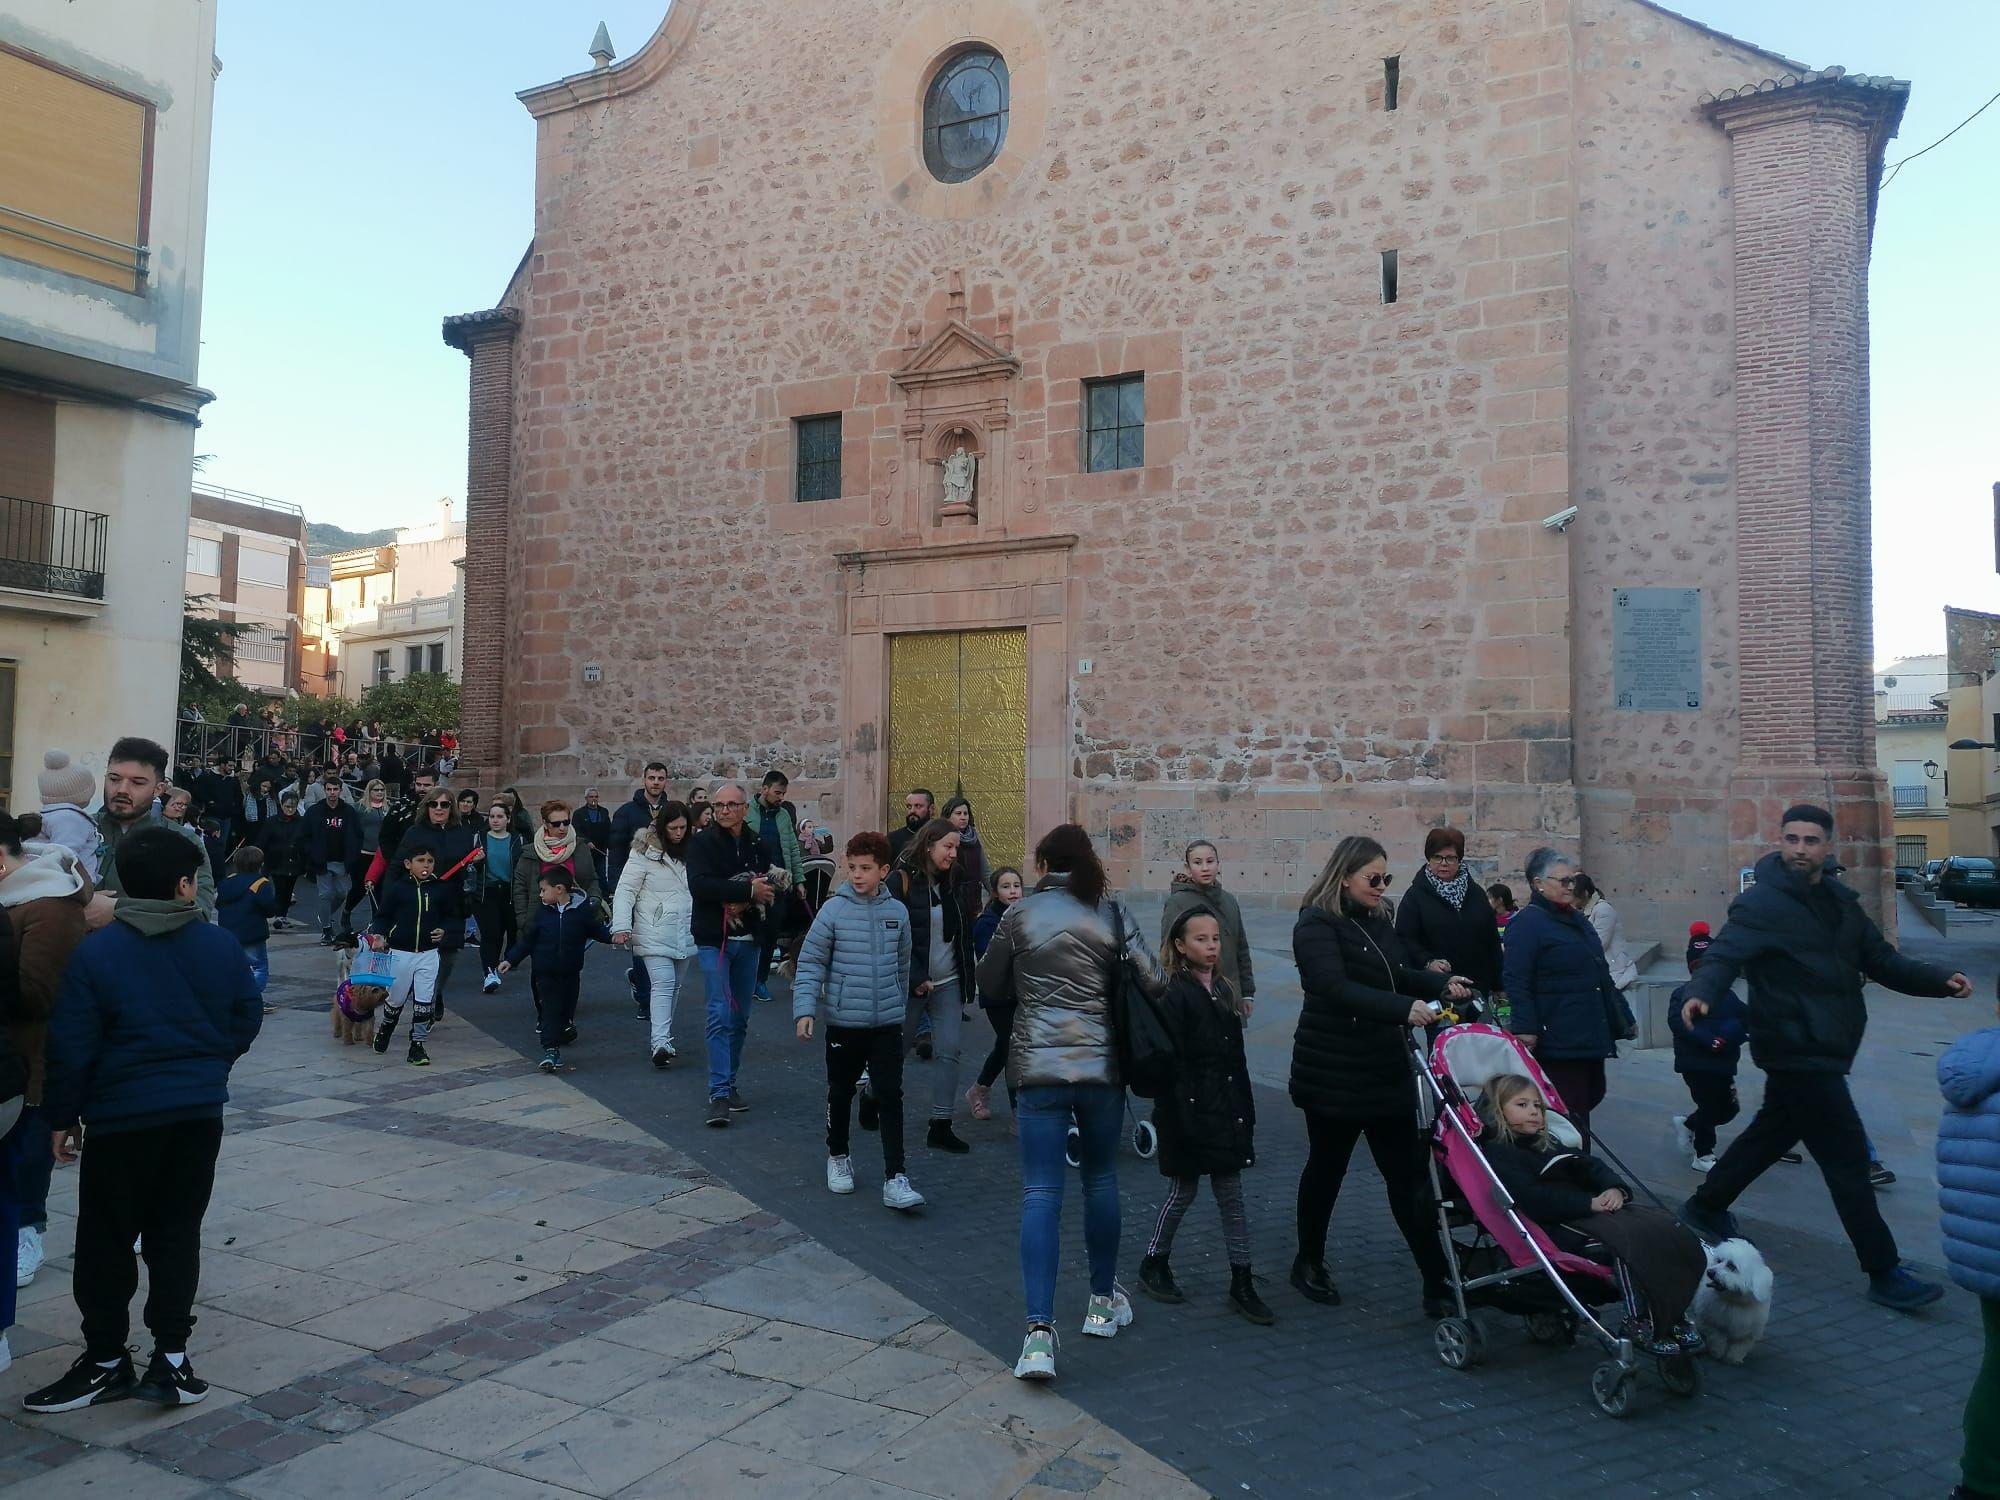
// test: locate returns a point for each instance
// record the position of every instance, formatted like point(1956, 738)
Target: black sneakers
point(383, 1031)
point(417, 1057)
point(718, 1114)
point(941, 1137)
point(86, 1383)
point(168, 1384)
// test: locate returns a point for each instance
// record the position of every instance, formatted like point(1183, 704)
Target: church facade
point(1263, 421)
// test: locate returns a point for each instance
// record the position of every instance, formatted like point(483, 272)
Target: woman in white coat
point(1603, 918)
point(653, 912)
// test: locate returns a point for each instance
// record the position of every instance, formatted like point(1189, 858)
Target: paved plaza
point(475, 1281)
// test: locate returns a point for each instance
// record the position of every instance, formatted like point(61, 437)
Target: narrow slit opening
point(1392, 68)
point(1388, 276)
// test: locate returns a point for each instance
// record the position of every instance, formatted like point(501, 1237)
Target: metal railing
point(244, 497)
point(52, 549)
point(197, 740)
point(126, 257)
point(1908, 797)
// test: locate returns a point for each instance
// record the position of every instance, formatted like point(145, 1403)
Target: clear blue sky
point(373, 172)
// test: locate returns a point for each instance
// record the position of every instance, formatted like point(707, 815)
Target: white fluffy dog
point(1734, 1302)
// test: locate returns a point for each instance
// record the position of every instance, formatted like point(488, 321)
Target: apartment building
point(104, 151)
point(380, 614)
point(247, 554)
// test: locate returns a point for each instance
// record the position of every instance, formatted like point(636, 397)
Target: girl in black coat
point(1207, 1119)
point(1575, 1198)
point(1351, 1063)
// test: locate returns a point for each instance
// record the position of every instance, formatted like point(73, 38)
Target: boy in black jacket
point(333, 848)
point(154, 1011)
point(557, 939)
point(1705, 1055)
point(412, 914)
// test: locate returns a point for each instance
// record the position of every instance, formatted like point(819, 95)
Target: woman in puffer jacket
point(1968, 1168)
point(652, 911)
point(1053, 957)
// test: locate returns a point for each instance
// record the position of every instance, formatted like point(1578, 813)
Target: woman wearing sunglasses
point(1365, 993)
point(1566, 1008)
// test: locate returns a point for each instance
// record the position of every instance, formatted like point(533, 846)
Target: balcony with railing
point(398, 618)
point(1913, 798)
point(52, 550)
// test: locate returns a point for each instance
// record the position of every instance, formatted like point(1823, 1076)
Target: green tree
point(206, 648)
point(418, 704)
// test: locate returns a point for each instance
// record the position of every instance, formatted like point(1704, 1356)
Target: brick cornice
point(465, 330)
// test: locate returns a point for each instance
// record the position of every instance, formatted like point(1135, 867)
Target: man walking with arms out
point(725, 867)
point(1806, 947)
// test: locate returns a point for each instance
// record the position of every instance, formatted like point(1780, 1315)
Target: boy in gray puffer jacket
point(856, 958)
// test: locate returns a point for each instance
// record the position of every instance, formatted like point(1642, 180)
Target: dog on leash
point(354, 1005)
point(1734, 1301)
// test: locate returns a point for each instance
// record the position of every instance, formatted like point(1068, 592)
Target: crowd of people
point(109, 910)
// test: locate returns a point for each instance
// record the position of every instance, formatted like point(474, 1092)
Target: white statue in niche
point(961, 472)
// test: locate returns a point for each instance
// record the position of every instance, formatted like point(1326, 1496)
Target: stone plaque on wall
point(1656, 648)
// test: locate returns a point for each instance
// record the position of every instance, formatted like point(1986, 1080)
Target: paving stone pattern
point(472, 1281)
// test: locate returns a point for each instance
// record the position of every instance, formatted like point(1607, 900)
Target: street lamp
point(1930, 770)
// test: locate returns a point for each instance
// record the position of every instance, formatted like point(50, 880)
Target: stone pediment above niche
point(957, 355)
point(958, 390)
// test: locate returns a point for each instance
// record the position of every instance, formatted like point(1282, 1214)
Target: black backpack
point(1139, 1034)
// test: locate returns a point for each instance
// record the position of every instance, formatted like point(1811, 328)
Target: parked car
point(1969, 881)
point(1930, 877)
point(1908, 874)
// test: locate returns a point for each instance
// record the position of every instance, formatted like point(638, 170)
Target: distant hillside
point(323, 537)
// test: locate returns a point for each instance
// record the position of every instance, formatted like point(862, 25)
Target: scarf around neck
point(552, 853)
point(1453, 891)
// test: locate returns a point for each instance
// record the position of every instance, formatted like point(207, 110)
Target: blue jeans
point(1045, 1113)
point(728, 982)
point(27, 1165)
point(259, 955)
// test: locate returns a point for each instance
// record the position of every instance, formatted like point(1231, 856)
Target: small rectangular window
point(818, 471)
point(205, 556)
point(1388, 276)
point(1114, 424)
point(1392, 68)
point(413, 660)
point(434, 657)
point(381, 666)
point(271, 570)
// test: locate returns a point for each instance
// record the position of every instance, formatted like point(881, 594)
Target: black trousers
point(151, 1185)
point(286, 885)
point(1816, 1109)
point(879, 1051)
point(1398, 1150)
point(1002, 1019)
point(495, 911)
point(555, 1004)
point(1715, 1105)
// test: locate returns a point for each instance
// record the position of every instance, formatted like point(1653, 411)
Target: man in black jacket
point(626, 825)
point(1806, 947)
point(919, 807)
point(725, 869)
point(333, 846)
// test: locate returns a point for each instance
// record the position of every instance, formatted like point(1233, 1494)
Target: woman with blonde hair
point(1365, 994)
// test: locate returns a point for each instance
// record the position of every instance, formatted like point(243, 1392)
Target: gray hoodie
point(856, 960)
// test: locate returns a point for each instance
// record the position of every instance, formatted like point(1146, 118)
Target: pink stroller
point(1508, 1263)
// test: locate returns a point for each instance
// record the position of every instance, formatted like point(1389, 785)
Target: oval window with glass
point(965, 115)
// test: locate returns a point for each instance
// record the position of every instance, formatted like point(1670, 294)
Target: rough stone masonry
point(1629, 275)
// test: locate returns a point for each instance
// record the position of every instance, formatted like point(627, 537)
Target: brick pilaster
point(1805, 156)
point(487, 340)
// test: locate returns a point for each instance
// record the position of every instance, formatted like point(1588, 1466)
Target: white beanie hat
point(62, 781)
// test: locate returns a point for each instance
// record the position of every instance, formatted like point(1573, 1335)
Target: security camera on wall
point(1560, 520)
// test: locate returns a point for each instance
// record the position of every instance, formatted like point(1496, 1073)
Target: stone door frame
point(988, 585)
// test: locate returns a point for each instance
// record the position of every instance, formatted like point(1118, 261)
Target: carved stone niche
point(958, 393)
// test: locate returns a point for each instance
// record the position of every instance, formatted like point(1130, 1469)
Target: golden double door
point(958, 724)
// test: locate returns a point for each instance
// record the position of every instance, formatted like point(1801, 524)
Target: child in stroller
point(1576, 1199)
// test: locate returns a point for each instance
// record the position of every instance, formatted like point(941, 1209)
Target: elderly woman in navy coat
point(1968, 1169)
point(1565, 1007)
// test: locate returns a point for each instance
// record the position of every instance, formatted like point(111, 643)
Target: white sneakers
point(1106, 1315)
point(1038, 1355)
point(896, 1192)
point(1683, 1137)
point(490, 983)
point(1703, 1163)
point(27, 1258)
